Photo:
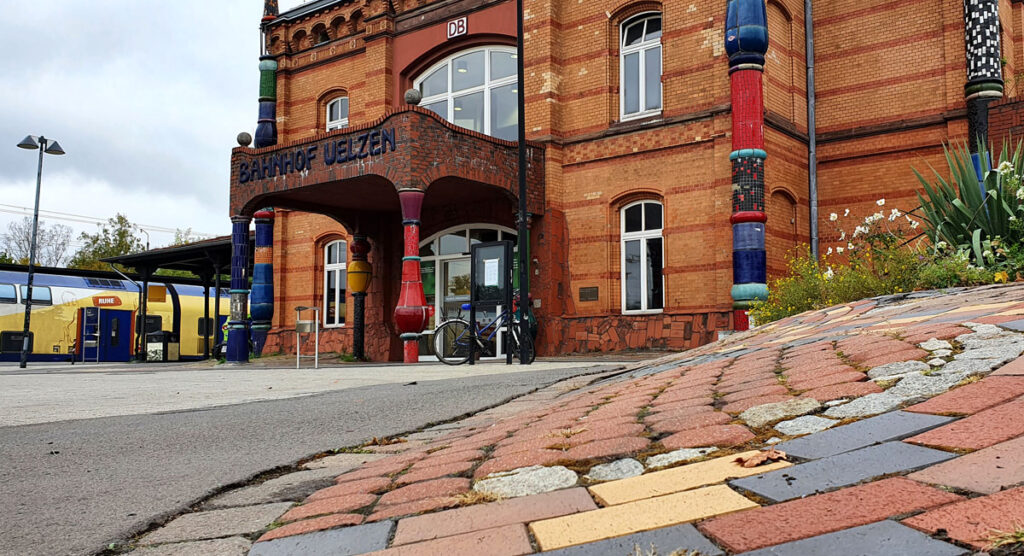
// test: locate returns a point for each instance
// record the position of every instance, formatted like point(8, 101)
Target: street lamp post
point(48, 146)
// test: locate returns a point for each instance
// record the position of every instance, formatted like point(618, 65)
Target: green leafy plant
point(968, 213)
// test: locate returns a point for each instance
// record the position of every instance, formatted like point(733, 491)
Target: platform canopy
point(207, 257)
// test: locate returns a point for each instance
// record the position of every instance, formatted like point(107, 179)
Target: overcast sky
point(145, 96)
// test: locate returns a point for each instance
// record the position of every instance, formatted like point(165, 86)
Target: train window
point(105, 283)
point(7, 294)
point(153, 323)
point(11, 341)
point(115, 332)
point(204, 324)
point(40, 295)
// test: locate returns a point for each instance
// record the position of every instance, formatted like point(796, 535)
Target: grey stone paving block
point(231, 546)
point(884, 428)
point(333, 542)
point(804, 425)
point(659, 541)
point(761, 415)
point(685, 454)
point(217, 523)
point(526, 481)
point(872, 404)
point(841, 470)
point(292, 487)
point(896, 369)
point(934, 345)
point(619, 469)
point(919, 386)
point(883, 537)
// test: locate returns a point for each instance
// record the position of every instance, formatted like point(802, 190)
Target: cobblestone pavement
point(902, 418)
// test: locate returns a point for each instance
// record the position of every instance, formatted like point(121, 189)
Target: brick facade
point(889, 85)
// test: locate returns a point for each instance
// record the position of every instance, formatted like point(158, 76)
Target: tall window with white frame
point(643, 256)
point(335, 279)
point(640, 66)
point(476, 89)
point(337, 113)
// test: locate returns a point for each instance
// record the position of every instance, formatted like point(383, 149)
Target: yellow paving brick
point(972, 308)
point(1010, 313)
point(907, 320)
point(642, 515)
point(678, 479)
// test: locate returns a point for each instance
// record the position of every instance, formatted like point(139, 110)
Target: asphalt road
point(72, 487)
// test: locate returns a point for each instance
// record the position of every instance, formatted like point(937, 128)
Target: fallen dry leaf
point(762, 458)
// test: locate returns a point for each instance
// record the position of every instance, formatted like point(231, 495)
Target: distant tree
point(116, 237)
point(6, 259)
point(51, 242)
point(185, 236)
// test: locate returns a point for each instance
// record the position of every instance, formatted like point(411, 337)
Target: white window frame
point(340, 286)
point(339, 123)
point(486, 87)
point(641, 49)
point(642, 236)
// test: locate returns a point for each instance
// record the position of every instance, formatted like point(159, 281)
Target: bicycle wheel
point(451, 342)
point(518, 346)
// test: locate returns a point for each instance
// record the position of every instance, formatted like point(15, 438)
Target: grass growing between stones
point(1007, 540)
point(473, 497)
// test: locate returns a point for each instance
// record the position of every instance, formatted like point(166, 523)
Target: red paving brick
point(427, 473)
point(495, 514)
point(443, 457)
point(755, 393)
point(515, 461)
point(974, 521)
point(743, 405)
point(429, 489)
point(986, 471)
point(510, 540)
point(823, 513)
point(673, 412)
point(917, 335)
point(975, 397)
point(605, 448)
point(718, 435)
point(334, 505)
point(380, 470)
point(810, 383)
point(846, 390)
point(768, 379)
point(1013, 368)
point(813, 373)
point(691, 422)
point(605, 432)
point(894, 357)
point(311, 525)
point(364, 486)
point(670, 403)
point(981, 430)
point(413, 508)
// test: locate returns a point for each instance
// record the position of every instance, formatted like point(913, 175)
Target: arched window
point(476, 89)
point(640, 66)
point(337, 113)
point(335, 279)
point(643, 256)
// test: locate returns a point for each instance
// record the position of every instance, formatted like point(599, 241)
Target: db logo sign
point(457, 27)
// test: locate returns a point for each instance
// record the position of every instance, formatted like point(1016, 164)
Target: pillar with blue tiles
point(238, 323)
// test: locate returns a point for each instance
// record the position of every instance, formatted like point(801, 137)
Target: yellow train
point(95, 316)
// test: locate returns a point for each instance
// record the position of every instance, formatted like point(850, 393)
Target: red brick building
point(629, 120)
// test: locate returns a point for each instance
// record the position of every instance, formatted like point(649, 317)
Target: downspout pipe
point(812, 137)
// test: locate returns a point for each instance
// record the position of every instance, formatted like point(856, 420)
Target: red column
point(412, 313)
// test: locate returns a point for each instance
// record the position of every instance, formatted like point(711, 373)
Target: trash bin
point(162, 345)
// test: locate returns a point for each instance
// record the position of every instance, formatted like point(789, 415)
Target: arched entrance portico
point(385, 180)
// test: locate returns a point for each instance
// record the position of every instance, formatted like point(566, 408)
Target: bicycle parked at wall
point(454, 337)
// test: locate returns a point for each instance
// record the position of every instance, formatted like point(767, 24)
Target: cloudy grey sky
point(145, 96)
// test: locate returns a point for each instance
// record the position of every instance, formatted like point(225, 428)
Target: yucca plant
point(967, 213)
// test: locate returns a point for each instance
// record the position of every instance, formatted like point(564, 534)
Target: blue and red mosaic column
point(238, 325)
point(412, 313)
point(266, 126)
point(746, 42)
point(984, 74)
point(262, 298)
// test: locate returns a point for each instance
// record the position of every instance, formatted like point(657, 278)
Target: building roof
point(200, 257)
point(303, 10)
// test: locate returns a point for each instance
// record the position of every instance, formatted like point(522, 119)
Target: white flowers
point(839, 250)
point(1020, 194)
point(880, 202)
point(861, 230)
point(874, 218)
point(941, 245)
point(1012, 218)
point(846, 212)
point(894, 214)
point(842, 236)
point(833, 217)
point(914, 224)
point(829, 274)
point(849, 246)
point(829, 252)
point(1005, 168)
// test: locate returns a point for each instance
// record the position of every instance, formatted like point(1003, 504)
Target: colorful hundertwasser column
point(746, 41)
point(262, 308)
point(238, 327)
point(266, 127)
point(984, 73)
point(412, 313)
